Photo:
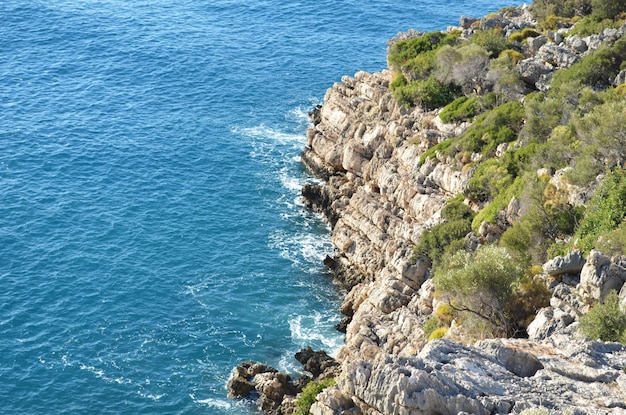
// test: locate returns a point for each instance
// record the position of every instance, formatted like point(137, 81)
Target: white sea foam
point(268, 133)
point(305, 250)
point(211, 402)
point(315, 329)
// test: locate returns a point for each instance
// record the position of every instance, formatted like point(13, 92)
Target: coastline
point(379, 198)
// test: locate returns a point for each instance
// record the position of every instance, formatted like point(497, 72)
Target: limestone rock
point(602, 274)
point(571, 263)
point(548, 321)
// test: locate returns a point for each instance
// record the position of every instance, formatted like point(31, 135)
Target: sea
point(152, 233)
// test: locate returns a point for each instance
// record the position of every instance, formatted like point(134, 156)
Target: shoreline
point(380, 195)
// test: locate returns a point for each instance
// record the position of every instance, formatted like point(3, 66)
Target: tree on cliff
point(480, 286)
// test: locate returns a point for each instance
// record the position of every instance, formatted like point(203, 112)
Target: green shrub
point(438, 333)
point(421, 66)
point(614, 242)
point(500, 125)
point(605, 212)
point(530, 295)
point(605, 321)
point(448, 236)
point(404, 50)
point(465, 108)
point(489, 213)
point(398, 79)
point(480, 286)
point(608, 9)
point(513, 55)
point(492, 40)
point(428, 94)
point(516, 37)
point(591, 25)
point(430, 326)
point(596, 69)
point(529, 32)
point(489, 180)
point(309, 395)
point(545, 9)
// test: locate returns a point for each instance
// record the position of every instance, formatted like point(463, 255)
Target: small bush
point(513, 55)
point(430, 326)
point(490, 179)
point(530, 296)
point(309, 395)
point(444, 314)
point(404, 50)
point(591, 25)
point(429, 94)
point(500, 125)
point(608, 9)
point(448, 235)
point(596, 69)
point(465, 108)
point(438, 334)
point(480, 286)
point(605, 212)
point(516, 37)
point(605, 321)
point(492, 40)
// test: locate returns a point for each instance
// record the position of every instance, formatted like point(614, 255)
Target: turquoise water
point(151, 232)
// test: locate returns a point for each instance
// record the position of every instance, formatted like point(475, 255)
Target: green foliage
point(605, 212)
point(430, 326)
point(429, 94)
point(605, 321)
point(465, 108)
point(398, 80)
point(543, 9)
point(492, 40)
point(500, 125)
point(480, 286)
point(602, 136)
point(596, 69)
point(608, 9)
point(449, 235)
point(421, 66)
point(489, 180)
point(438, 333)
point(404, 50)
point(591, 25)
point(523, 35)
point(309, 394)
point(490, 212)
point(614, 242)
point(530, 295)
point(513, 55)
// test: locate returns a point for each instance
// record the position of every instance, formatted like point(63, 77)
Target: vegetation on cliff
point(557, 152)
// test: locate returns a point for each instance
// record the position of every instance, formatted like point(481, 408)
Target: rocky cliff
point(379, 199)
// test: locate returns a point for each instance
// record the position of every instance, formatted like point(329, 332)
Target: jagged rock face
point(379, 199)
point(494, 377)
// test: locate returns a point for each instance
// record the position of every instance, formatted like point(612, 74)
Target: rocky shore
point(379, 198)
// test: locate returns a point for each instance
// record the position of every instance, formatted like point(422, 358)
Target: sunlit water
point(151, 230)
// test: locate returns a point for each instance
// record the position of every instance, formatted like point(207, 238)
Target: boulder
point(548, 321)
point(317, 363)
point(602, 274)
point(534, 43)
point(572, 263)
point(532, 70)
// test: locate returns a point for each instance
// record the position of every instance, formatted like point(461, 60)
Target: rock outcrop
point(379, 197)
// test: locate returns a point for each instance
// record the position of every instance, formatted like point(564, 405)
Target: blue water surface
point(151, 231)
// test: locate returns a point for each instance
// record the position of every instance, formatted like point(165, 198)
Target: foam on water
point(152, 234)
